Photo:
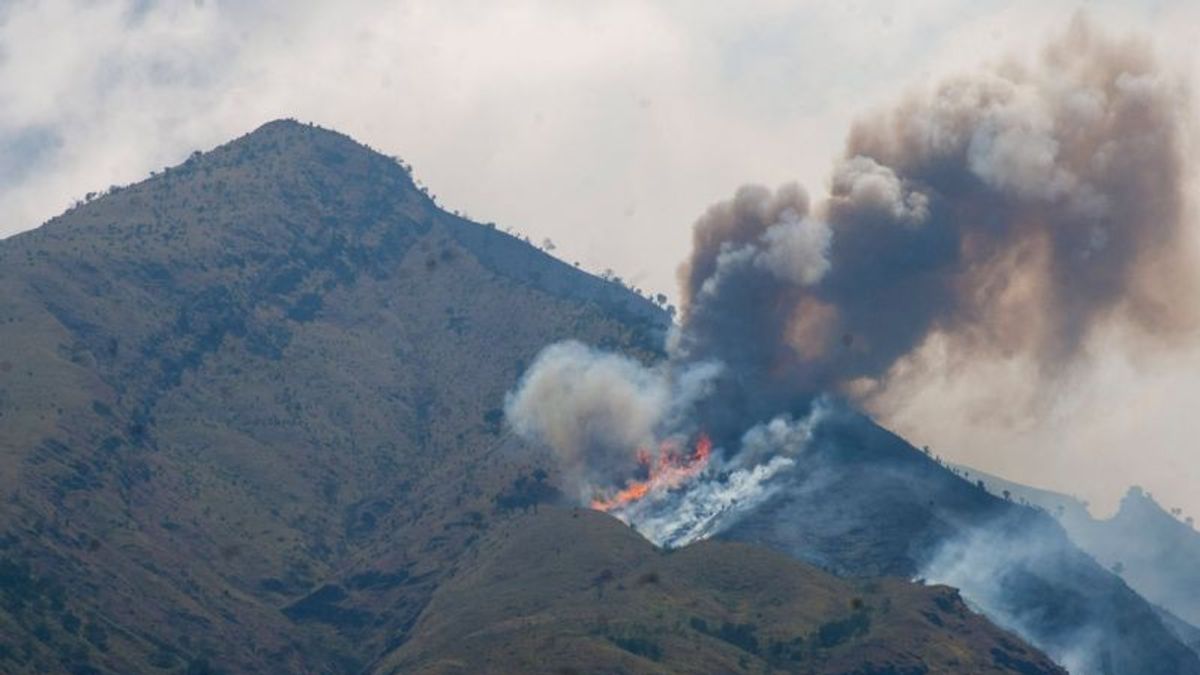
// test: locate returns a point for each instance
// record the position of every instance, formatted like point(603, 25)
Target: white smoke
point(579, 401)
point(864, 181)
point(595, 409)
point(728, 489)
point(705, 507)
point(987, 562)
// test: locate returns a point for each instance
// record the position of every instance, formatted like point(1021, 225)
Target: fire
point(672, 469)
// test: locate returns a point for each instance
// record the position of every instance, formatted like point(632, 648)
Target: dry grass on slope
point(574, 591)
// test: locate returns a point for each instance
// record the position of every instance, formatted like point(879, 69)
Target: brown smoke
point(1015, 211)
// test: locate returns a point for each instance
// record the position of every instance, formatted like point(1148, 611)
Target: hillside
point(573, 591)
point(273, 370)
point(250, 421)
point(864, 503)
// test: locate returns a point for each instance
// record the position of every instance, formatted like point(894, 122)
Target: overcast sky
point(605, 126)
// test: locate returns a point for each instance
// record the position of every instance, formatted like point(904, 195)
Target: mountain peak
point(288, 125)
point(1140, 506)
point(281, 180)
point(290, 134)
point(289, 150)
point(290, 189)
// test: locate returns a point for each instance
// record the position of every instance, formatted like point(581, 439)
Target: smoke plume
point(1016, 211)
point(594, 409)
point(995, 567)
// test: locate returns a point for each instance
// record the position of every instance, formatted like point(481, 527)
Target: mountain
point(269, 372)
point(1155, 552)
point(250, 421)
point(864, 503)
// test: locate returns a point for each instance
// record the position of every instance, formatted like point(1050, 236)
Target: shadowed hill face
point(866, 503)
point(574, 591)
point(250, 408)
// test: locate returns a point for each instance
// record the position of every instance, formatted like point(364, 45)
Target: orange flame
point(672, 470)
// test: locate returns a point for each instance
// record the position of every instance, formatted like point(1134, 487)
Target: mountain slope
point(274, 369)
point(575, 591)
point(864, 502)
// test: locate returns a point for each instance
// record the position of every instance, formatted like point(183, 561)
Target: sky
point(606, 127)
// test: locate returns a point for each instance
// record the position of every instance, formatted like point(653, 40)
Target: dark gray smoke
point(1015, 211)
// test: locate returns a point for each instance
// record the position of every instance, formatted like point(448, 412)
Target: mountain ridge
point(251, 413)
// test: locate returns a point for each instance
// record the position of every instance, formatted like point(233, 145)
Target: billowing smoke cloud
point(745, 290)
point(594, 409)
point(610, 419)
point(1015, 211)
